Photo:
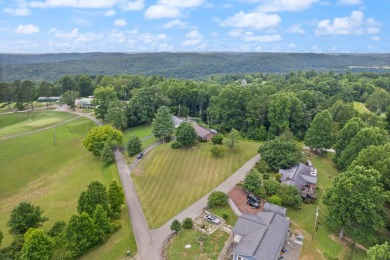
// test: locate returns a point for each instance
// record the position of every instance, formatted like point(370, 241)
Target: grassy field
point(361, 107)
point(36, 104)
point(17, 123)
point(53, 176)
point(169, 180)
point(326, 242)
point(213, 245)
point(140, 131)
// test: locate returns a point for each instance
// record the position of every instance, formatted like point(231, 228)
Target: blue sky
point(329, 26)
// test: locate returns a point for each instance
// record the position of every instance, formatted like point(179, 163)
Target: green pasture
point(169, 180)
point(21, 122)
point(212, 244)
point(53, 176)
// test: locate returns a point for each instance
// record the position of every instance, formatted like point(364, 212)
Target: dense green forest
point(51, 67)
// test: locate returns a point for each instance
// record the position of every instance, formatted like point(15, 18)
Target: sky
point(319, 26)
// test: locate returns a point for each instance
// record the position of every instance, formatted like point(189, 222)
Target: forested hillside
point(51, 67)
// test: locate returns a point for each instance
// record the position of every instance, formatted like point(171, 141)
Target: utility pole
point(316, 223)
point(54, 136)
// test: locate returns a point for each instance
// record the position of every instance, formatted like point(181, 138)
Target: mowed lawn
point(52, 176)
point(140, 131)
point(169, 180)
point(17, 123)
point(325, 244)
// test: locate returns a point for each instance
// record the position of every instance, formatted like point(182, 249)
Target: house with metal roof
point(303, 177)
point(260, 237)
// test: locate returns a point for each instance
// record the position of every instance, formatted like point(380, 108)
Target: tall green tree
point(69, 98)
point(355, 203)
point(96, 194)
point(378, 158)
point(107, 156)
point(85, 85)
point(252, 181)
point(285, 111)
point(80, 234)
point(233, 138)
point(379, 252)
point(280, 153)
point(134, 145)
point(102, 223)
point(102, 98)
point(37, 245)
point(116, 114)
point(217, 199)
point(378, 101)
point(98, 136)
point(186, 134)
point(290, 196)
point(116, 199)
point(25, 216)
point(364, 138)
point(163, 126)
point(1, 237)
point(6, 94)
point(342, 112)
point(344, 137)
point(319, 135)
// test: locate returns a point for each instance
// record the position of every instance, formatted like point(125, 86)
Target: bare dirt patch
point(238, 196)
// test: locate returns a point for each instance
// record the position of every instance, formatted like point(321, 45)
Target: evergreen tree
point(102, 223)
point(94, 195)
point(163, 126)
point(116, 199)
point(107, 155)
point(176, 226)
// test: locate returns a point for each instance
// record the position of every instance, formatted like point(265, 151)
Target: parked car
point(139, 156)
point(253, 198)
point(253, 204)
point(213, 219)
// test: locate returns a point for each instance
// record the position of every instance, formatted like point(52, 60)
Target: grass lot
point(169, 180)
point(326, 241)
point(361, 107)
point(213, 245)
point(219, 211)
point(53, 176)
point(140, 131)
point(17, 123)
point(36, 104)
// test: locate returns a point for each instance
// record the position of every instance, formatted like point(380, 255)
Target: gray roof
point(275, 208)
point(263, 235)
point(298, 176)
point(177, 120)
point(200, 130)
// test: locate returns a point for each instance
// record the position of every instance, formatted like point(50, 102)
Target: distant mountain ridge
point(181, 65)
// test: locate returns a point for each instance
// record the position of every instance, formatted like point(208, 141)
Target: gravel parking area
point(238, 196)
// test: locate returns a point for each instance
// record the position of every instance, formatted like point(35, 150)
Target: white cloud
point(120, 22)
point(26, 29)
point(252, 20)
point(350, 2)
point(76, 36)
point(292, 45)
point(110, 12)
point(19, 11)
point(296, 29)
point(161, 11)
point(123, 4)
point(375, 38)
point(248, 36)
point(285, 5)
point(175, 23)
point(192, 38)
point(170, 8)
point(354, 24)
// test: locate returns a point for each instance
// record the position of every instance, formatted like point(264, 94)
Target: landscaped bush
point(217, 139)
point(216, 150)
point(217, 198)
point(271, 186)
point(187, 223)
point(225, 216)
point(252, 181)
point(176, 226)
point(266, 176)
point(134, 145)
point(278, 176)
point(176, 145)
point(262, 166)
point(275, 199)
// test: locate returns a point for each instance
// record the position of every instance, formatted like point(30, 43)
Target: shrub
point(278, 176)
point(187, 223)
point(217, 139)
point(217, 198)
point(252, 181)
point(216, 150)
point(266, 176)
point(225, 216)
point(175, 145)
point(271, 186)
point(134, 145)
point(201, 140)
point(176, 226)
point(275, 199)
point(262, 166)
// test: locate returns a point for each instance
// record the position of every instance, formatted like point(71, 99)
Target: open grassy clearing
point(17, 123)
point(140, 131)
point(361, 107)
point(169, 180)
point(53, 176)
point(36, 104)
point(326, 243)
point(213, 245)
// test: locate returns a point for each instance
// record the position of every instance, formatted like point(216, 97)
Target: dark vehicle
point(139, 156)
point(253, 198)
point(253, 204)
